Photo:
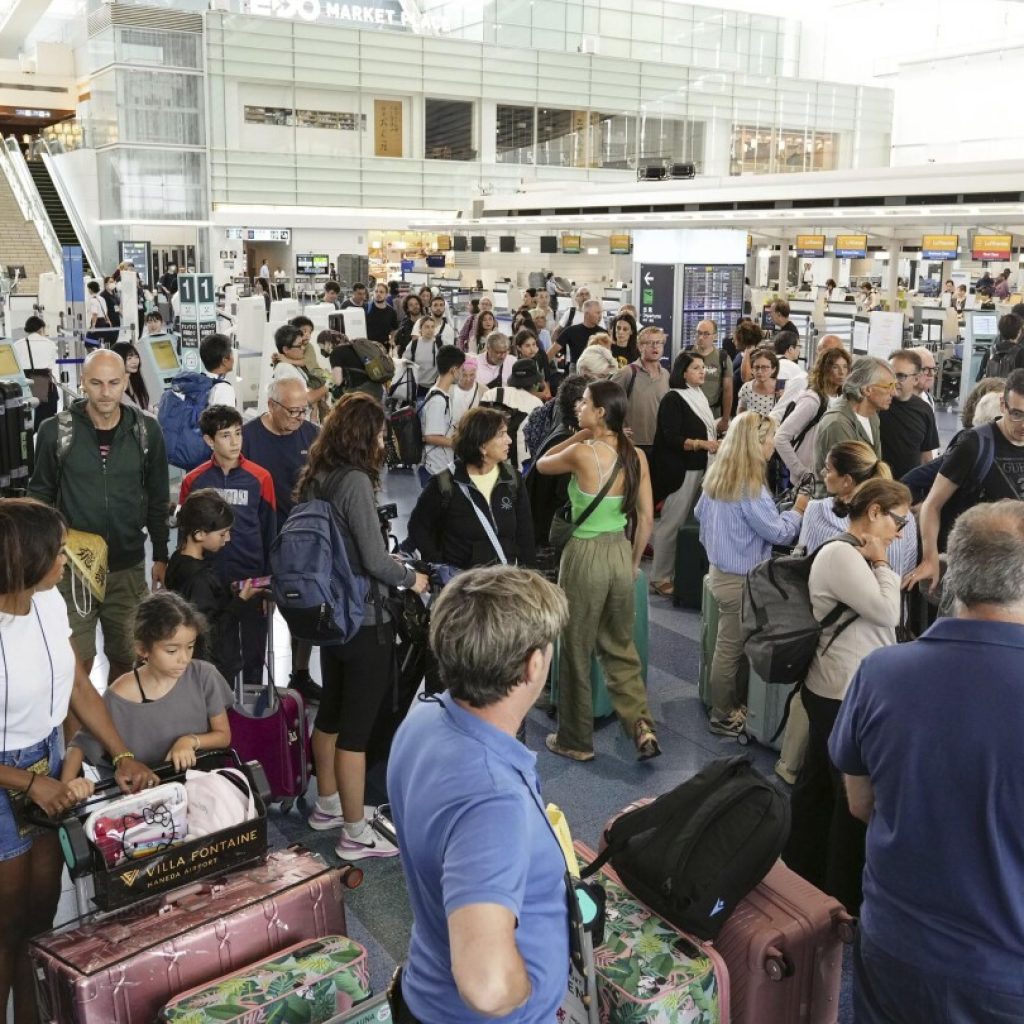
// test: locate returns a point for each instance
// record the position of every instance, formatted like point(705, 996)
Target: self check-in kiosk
point(158, 363)
point(981, 329)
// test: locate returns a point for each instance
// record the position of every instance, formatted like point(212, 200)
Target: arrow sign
point(648, 278)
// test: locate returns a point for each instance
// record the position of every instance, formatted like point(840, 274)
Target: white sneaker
point(368, 844)
point(324, 821)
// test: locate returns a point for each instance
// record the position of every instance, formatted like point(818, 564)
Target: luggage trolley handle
point(75, 844)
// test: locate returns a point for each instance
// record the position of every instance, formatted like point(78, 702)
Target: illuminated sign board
point(940, 247)
point(991, 247)
point(810, 245)
point(572, 243)
point(851, 247)
point(619, 245)
point(259, 234)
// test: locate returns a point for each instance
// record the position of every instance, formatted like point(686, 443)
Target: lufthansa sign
point(379, 15)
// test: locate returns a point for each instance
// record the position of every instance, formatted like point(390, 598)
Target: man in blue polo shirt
point(485, 873)
point(929, 738)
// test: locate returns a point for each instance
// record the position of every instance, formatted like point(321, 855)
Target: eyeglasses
point(1017, 415)
point(928, 371)
point(901, 377)
point(295, 414)
point(652, 344)
point(900, 521)
point(762, 366)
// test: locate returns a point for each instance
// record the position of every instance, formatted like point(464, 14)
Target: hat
point(470, 362)
point(525, 374)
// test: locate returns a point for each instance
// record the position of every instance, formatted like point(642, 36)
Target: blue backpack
point(178, 415)
point(318, 592)
point(921, 478)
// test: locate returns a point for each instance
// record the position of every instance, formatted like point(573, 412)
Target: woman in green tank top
point(597, 572)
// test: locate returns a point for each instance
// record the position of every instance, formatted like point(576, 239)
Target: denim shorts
point(12, 842)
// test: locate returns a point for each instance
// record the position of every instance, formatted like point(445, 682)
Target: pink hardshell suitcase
point(784, 947)
point(122, 967)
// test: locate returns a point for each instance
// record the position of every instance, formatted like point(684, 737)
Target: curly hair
point(818, 378)
point(349, 436)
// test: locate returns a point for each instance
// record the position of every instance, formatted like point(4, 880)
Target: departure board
point(711, 292)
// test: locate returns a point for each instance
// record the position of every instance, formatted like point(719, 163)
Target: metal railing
point(84, 240)
point(18, 176)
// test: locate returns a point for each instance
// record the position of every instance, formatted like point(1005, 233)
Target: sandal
point(662, 588)
point(646, 741)
point(551, 742)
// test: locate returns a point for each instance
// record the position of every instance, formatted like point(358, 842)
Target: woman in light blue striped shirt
point(847, 465)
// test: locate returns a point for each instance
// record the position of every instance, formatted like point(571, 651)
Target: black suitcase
point(15, 442)
point(691, 566)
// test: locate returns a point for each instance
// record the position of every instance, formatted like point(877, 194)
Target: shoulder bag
point(563, 526)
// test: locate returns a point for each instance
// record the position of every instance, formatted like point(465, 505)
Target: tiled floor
point(379, 914)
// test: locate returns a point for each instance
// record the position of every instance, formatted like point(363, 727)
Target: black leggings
point(357, 676)
point(826, 844)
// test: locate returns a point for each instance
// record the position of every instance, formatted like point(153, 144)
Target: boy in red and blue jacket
point(249, 490)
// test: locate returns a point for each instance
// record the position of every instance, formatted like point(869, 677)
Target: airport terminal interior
point(220, 163)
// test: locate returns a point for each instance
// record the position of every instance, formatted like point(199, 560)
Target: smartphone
point(259, 582)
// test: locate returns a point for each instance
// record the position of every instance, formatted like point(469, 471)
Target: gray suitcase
point(766, 704)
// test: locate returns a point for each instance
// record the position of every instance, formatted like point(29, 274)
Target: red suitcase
point(122, 967)
point(783, 945)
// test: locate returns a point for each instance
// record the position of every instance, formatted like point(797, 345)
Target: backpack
point(178, 414)
point(777, 625)
point(446, 488)
point(1002, 364)
point(377, 364)
point(419, 412)
point(778, 473)
point(921, 478)
point(516, 418)
point(66, 437)
point(317, 590)
point(696, 851)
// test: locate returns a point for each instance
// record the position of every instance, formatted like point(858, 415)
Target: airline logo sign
point(940, 247)
point(382, 14)
point(851, 247)
point(991, 247)
point(810, 245)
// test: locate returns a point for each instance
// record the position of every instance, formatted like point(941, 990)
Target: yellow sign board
point(387, 128)
point(940, 247)
point(991, 247)
point(851, 246)
point(618, 244)
point(810, 245)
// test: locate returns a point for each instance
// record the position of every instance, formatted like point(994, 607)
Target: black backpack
point(1002, 364)
point(516, 418)
point(695, 852)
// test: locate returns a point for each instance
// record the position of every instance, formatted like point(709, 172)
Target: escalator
point(62, 226)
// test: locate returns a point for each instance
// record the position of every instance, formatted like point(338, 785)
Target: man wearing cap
point(519, 398)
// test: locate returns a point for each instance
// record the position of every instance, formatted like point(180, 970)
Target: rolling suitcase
point(310, 982)
point(766, 707)
point(599, 690)
point(122, 967)
point(691, 566)
point(270, 726)
point(708, 638)
point(647, 970)
point(783, 945)
point(375, 1010)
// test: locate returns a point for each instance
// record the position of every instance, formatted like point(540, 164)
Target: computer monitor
point(478, 243)
point(549, 243)
point(985, 325)
point(8, 361)
point(507, 243)
point(929, 286)
point(859, 338)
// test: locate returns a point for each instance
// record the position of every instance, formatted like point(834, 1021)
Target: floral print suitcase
point(649, 972)
point(308, 983)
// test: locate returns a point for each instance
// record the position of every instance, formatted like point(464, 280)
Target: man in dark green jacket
point(104, 466)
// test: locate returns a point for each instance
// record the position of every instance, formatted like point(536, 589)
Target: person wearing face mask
point(826, 843)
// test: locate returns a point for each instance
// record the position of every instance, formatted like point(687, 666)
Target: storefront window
point(613, 141)
point(448, 130)
point(781, 150)
point(514, 135)
point(671, 140)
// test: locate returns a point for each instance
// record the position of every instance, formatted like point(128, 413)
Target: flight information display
point(711, 292)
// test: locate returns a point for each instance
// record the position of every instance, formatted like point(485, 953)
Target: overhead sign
point(312, 263)
point(572, 243)
point(811, 246)
point(657, 296)
point(851, 247)
point(991, 247)
point(940, 247)
point(619, 245)
point(388, 14)
point(259, 234)
point(197, 315)
point(137, 254)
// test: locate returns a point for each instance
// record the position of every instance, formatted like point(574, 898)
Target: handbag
point(87, 556)
point(563, 526)
point(40, 382)
point(216, 802)
point(139, 825)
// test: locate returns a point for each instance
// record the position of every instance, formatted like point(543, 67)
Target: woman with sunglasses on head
point(848, 465)
point(826, 844)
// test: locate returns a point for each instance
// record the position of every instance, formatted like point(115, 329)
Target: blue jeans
point(888, 991)
point(12, 842)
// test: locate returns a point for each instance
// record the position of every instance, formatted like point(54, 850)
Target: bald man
point(104, 466)
point(798, 382)
point(717, 384)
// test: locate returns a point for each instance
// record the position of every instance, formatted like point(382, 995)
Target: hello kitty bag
point(140, 824)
